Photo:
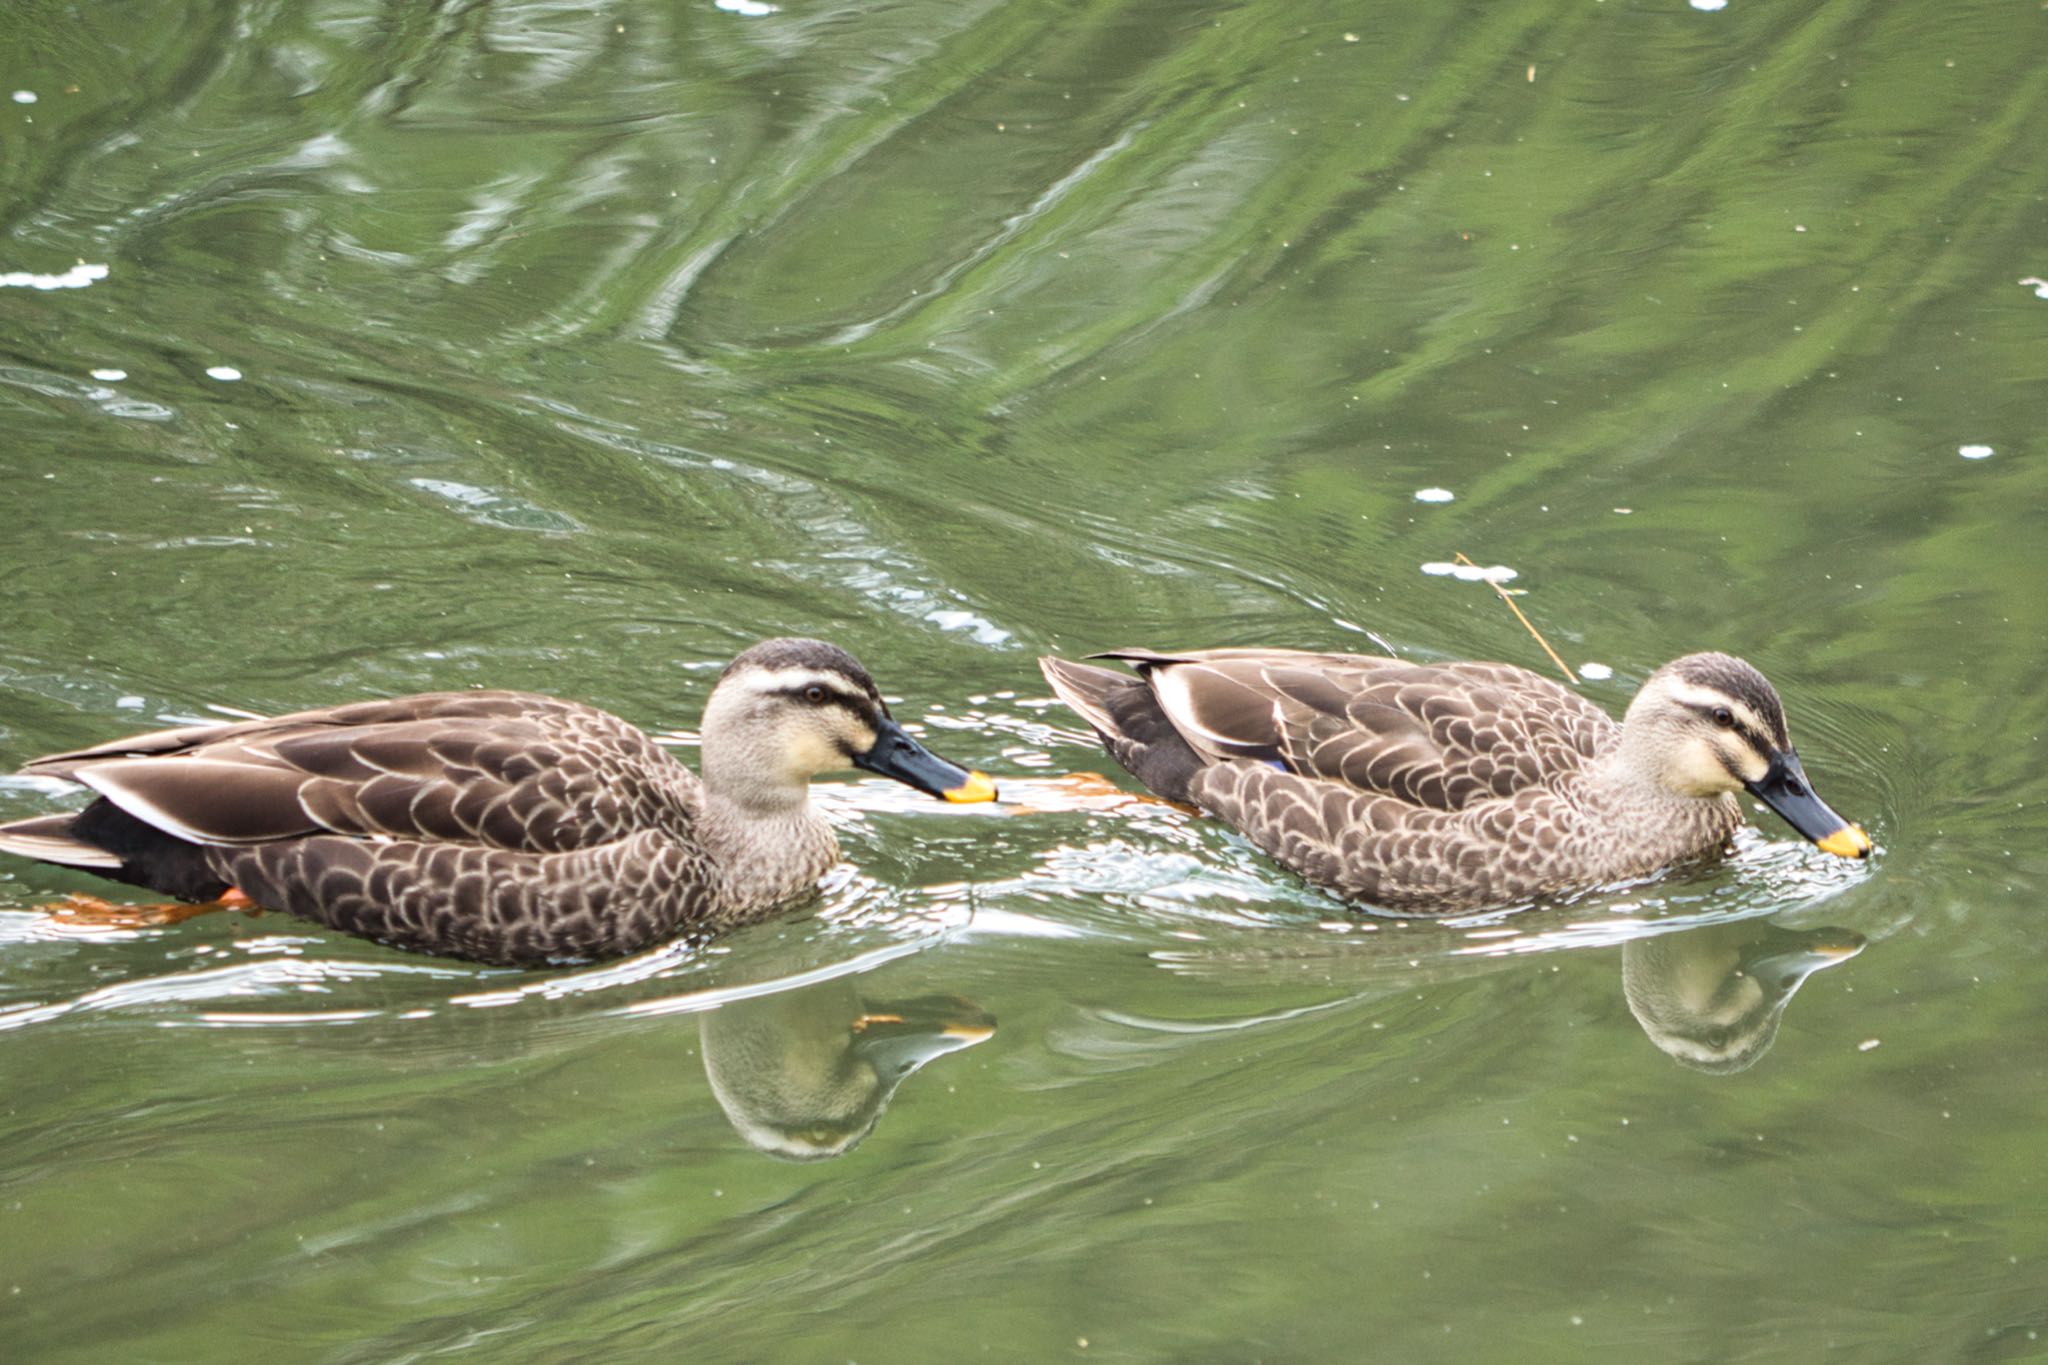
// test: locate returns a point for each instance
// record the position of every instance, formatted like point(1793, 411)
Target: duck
point(1428, 789)
point(507, 828)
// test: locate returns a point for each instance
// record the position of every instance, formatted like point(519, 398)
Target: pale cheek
point(1700, 773)
point(814, 753)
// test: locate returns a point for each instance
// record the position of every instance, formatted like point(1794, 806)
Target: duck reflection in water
point(1711, 997)
point(805, 1074)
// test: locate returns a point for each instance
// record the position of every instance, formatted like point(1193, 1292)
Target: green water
point(580, 345)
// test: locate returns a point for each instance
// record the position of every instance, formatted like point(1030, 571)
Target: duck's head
point(1710, 723)
point(788, 709)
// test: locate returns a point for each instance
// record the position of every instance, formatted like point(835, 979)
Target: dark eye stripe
point(1764, 746)
point(857, 707)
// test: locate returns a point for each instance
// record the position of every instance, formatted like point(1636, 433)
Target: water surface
point(573, 348)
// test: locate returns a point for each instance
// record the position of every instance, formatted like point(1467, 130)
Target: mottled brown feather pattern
point(491, 904)
point(506, 770)
point(500, 826)
point(1424, 788)
point(506, 827)
point(1389, 852)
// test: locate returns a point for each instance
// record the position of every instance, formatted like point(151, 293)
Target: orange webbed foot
point(1079, 791)
point(93, 912)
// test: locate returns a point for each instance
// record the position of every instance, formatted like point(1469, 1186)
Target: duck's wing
point(1441, 736)
point(505, 770)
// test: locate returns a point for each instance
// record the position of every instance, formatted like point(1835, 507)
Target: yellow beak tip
point(1847, 842)
point(978, 787)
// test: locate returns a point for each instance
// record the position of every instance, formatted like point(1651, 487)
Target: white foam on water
point(77, 277)
point(1470, 573)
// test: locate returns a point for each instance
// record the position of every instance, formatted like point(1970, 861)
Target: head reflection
point(1711, 997)
point(805, 1074)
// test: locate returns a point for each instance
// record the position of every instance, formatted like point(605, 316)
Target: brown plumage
point(1433, 788)
point(504, 827)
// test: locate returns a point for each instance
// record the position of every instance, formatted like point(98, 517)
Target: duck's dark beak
point(1785, 790)
point(895, 754)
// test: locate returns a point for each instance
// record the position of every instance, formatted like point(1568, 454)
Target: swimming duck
point(1433, 788)
point(504, 827)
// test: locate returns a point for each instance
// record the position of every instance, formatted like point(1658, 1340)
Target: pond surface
point(352, 349)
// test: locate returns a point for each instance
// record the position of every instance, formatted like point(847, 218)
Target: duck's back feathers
point(502, 770)
point(1440, 736)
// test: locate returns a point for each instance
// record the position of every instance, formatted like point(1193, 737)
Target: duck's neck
point(1645, 824)
point(768, 851)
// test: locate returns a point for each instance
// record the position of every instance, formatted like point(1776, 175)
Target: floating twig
point(1528, 625)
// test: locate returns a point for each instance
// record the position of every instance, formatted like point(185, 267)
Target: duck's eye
point(814, 694)
point(1724, 718)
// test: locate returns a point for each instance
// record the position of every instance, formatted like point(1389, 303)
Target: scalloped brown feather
point(1422, 788)
point(505, 770)
point(505, 827)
